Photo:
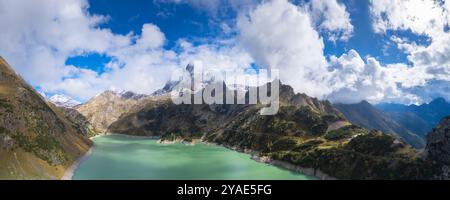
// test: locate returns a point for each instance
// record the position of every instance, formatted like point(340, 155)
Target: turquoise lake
point(122, 157)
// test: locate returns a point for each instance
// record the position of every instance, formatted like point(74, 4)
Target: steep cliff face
point(107, 107)
point(36, 140)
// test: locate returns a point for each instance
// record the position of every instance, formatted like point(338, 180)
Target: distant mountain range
point(411, 122)
point(308, 133)
point(418, 118)
point(366, 115)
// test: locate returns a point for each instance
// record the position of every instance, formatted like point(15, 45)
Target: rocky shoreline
point(285, 165)
point(281, 164)
point(134, 136)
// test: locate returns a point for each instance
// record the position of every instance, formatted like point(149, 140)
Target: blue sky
point(178, 21)
point(341, 50)
point(187, 21)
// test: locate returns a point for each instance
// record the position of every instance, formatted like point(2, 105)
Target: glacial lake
point(122, 157)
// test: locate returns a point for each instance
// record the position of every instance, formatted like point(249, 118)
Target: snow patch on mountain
point(61, 100)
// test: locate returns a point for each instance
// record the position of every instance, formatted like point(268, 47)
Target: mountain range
point(365, 115)
point(419, 118)
point(40, 140)
point(308, 133)
point(410, 122)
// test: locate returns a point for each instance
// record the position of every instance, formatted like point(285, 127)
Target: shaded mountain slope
point(419, 118)
point(365, 115)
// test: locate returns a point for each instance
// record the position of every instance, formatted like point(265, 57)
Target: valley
point(40, 140)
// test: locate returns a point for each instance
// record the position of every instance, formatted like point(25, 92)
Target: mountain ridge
point(426, 116)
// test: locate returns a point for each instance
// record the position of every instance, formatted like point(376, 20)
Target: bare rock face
point(438, 146)
point(105, 108)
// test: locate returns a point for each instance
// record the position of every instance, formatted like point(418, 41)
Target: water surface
point(122, 157)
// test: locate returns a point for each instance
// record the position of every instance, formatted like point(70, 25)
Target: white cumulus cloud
point(332, 18)
point(430, 19)
point(280, 35)
point(275, 34)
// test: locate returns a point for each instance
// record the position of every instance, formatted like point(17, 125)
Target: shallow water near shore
point(122, 157)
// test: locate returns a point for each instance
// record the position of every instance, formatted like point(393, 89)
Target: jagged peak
point(365, 103)
point(190, 68)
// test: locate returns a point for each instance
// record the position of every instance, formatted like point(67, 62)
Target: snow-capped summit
point(63, 101)
point(168, 87)
point(200, 81)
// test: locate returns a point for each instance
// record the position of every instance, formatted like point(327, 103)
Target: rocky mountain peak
point(365, 103)
point(132, 95)
point(190, 68)
point(108, 106)
point(122, 94)
point(61, 100)
point(168, 87)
